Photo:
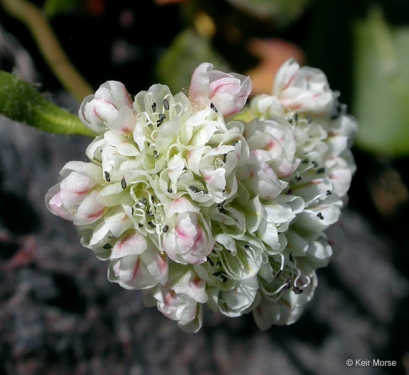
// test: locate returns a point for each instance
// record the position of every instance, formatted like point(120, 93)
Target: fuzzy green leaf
point(21, 102)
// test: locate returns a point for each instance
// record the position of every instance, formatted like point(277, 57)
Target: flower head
point(195, 207)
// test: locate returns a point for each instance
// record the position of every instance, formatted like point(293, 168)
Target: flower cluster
point(199, 199)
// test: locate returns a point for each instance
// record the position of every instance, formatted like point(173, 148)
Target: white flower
point(304, 90)
point(194, 207)
point(227, 92)
point(102, 108)
point(187, 239)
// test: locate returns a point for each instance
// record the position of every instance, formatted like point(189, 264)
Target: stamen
point(319, 214)
point(329, 192)
point(153, 107)
point(166, 104)
point(213, 107)
point(165, 228)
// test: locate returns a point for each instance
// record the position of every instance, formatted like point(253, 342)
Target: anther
point(155, 154)
point(329, 192)
point(165, 228)
point(288, 283)
point(297, 290)
point(222, 210)
point(107, 176)
point(315, 164)
point(194, 189)
point(291, 257)
point(321, 170)
point(154, 107)
point(166, 104)
point(213, 107)
point(160, 119)
point(170, 190)
point(221, 204)
point(319, 214)
point(152, 225)
point(123, 183)
point(107, 246)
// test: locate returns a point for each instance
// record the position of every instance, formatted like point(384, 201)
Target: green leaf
point(187, 50)
point(21, 102)
point(382, 86)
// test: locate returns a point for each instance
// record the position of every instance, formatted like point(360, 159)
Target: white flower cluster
point(195, 206)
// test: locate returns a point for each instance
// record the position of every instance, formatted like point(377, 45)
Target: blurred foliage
point(191, 48)
point(282, 12)
point(381, 77)
point(54, 7)
point(364, 52)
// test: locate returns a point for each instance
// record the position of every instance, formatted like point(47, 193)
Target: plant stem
point(49, 46)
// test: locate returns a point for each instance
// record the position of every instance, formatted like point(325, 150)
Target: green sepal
point(21, 102)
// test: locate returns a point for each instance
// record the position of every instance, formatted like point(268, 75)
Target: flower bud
point(187, 240)
point(227, 91)
point(103, 107)
point(303, 90)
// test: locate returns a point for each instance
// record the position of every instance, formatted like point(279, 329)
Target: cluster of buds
point(201, 199)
